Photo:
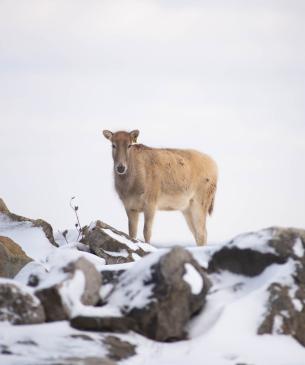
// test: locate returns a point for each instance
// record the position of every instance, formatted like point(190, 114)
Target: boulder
point(250, 254)
point(285, 308)
point(45, 226)
point(18, 305)
point(156, 297)
point(112, 245)
point(12, 258)
point(65, 288)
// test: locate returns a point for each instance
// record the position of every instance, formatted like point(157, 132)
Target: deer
point(149, 179)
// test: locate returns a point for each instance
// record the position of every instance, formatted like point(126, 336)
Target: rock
point(247, 261)
point(77, 283)
point(45, 226)
point(18, 305)
point(114, 246)
point(104, 323)
point(118, 349)
point(12, 258)
point(3, 207)
point(285, 312)
point(93, 280)
point(250, 254)
point(157, 297)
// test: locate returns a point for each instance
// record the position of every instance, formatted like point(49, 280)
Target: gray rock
point(285, 307)
point(12, 258)
point(246, 261)
point(58, 297)
point(121, 249)
point(156, 297)
point(285, 313)
point(18, 305)
point(118, 349)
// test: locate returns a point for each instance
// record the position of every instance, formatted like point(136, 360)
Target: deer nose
point(121, 169)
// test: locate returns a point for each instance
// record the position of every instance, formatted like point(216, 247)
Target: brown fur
point(163, 179)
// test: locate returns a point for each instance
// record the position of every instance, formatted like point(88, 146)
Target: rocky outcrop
point(248, 254)
point(114, 246)
point(18, 305)
point(12, 258)
point(45, 226)
point(285, 313)
point(251, 254)
point(157, 297)
point(67, 287)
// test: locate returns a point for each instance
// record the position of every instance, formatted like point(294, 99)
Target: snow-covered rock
point(65, 288)
point(18, 305)
point(114, 246)
point(250, 254)
point(35, 237)
point(156, 297)
point(253, 312)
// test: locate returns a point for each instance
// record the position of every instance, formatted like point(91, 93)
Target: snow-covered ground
point(223, 334)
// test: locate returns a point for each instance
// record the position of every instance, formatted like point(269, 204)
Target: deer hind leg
point(133, 219)
point(199, 214)
point(149, 214)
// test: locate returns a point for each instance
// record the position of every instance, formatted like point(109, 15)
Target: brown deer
point(149, 179)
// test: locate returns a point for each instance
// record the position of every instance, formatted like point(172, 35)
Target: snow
point(32, 239)
point(121, 239)
point(132, 245)
point(193, 278)
point(298, 248)
point(32, 268)
point(131, 284)
point(256, 240)
point(47, 343)
point(122, 253)
point(225, 332)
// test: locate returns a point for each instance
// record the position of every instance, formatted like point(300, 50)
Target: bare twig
point(77, 225)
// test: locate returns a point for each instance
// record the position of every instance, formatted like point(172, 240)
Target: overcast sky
point(225, 77)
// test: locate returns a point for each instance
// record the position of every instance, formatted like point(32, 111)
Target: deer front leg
point(133, 218)
point(149, 214)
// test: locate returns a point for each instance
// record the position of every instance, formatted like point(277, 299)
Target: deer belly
point(173, 202)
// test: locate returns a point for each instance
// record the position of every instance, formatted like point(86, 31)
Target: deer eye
point(129, 145)
point(113, 146)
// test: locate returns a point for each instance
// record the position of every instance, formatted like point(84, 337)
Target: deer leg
point(189, 220)
point(149, 214)
point(199, 221)
point(133, 218)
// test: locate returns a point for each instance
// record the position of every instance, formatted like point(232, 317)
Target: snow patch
point(31, 239)
point(298, 248)
point(254, 240)
point(193, 278)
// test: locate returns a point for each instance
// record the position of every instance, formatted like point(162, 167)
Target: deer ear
point(107, 134)
point(134, 135)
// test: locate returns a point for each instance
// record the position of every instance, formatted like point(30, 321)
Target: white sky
point(225, 77)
